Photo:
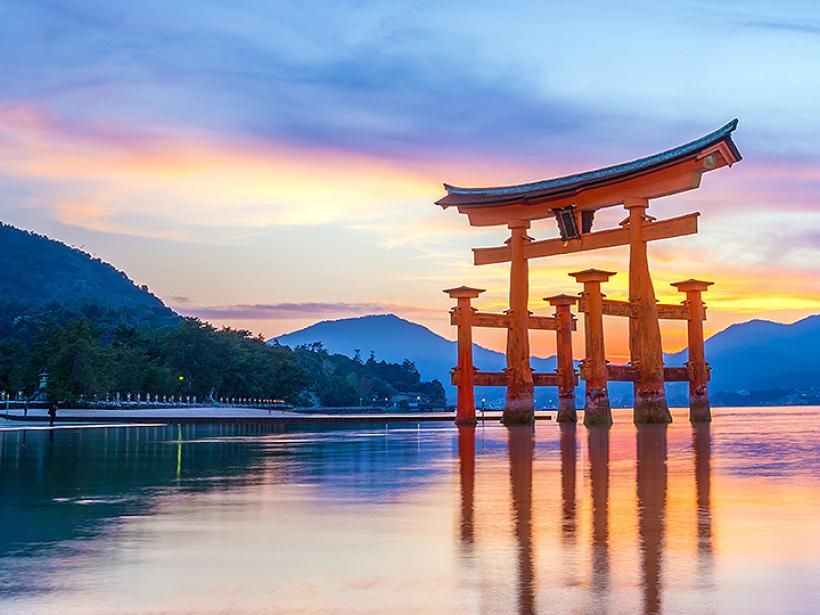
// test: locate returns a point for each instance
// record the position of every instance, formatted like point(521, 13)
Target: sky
point(269, 164)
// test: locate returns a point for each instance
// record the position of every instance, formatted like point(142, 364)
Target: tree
point(192, 351)
point(88, 358)
point(77, 367)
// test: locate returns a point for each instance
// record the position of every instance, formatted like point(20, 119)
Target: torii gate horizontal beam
point(502, 379)
point(662, 229)
point(613, 307)
point(627, 373)
point(489, 320)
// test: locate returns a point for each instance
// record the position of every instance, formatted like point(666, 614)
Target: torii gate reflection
point(651, 483)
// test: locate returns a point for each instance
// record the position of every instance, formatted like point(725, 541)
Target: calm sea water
point(407, 518)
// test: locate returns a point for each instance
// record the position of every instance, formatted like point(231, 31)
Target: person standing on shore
point(52, 413)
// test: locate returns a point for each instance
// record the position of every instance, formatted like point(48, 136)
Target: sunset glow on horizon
point(261, 169)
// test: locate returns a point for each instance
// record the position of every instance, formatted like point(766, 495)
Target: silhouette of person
point(52, 413)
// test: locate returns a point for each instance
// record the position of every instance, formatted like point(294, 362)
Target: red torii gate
point(573, 201)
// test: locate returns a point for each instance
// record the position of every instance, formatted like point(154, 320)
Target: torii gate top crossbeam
point(675, 170)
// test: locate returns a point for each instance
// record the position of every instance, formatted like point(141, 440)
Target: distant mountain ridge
point(394, 339)
point(762, 354)
point(755, 355)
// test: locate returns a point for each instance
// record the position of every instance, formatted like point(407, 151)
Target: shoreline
point(240, 415)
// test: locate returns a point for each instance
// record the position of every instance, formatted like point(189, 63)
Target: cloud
point(383, 79)
point(375, 79)
point(263, 311)
point(788, 26)
point(203, 120)
point(184, 185)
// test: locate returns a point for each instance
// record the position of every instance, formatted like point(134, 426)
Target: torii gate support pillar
point(644, 327)
point(465, 371)
point(700, 410)
point(520, 402)
point(566, 370)
point(597, 410)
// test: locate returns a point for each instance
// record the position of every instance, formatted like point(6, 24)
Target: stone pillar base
point(700, 410)
point(597, 410)
point(519, 407)
point(651, 407)
point(566, 410)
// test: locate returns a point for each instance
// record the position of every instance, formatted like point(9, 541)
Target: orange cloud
point(190, 180)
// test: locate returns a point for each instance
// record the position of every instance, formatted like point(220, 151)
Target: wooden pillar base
point(651, 407)
point(597, 410)
point(566, 409)
point(700, 410)
point(466, 421)
point(520, 405)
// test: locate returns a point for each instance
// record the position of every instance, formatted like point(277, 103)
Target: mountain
point(41, 278)
point(761, 354)
point(755, 355)
point(394, 339)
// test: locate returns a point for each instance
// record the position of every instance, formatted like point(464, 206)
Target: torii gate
point(573, 201)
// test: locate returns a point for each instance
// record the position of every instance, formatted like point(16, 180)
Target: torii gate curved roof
point(674, 170)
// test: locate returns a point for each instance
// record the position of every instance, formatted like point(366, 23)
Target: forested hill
point(41, 277)
point(96, 334)
point(36, 270)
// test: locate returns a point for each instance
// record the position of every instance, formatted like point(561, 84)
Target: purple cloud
point(263, 311)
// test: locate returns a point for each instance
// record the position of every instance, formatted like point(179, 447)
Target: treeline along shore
point(80, 361)
point(75, 330)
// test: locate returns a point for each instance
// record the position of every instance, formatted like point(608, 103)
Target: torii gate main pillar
point(520, 402)
point(644, 327)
